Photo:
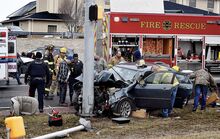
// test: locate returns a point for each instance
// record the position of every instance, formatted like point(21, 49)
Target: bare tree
point(72, 12)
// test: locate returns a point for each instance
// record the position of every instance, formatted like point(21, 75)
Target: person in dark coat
point(38, 72)
point(136, 55)
point(76, 69)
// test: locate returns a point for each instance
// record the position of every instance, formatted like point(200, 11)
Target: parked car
point(147, 90)
point(56, 51)
point(17, 31)
point(15, 28)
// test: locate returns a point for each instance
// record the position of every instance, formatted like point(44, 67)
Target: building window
point(173, 1)
point(11, 47)
point(192, 3)
point(210, 4)
point(52, 28)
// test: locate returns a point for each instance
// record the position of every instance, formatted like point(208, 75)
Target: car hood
point(107, 79)
point(26, 59)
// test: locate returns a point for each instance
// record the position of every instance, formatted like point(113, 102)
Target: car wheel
point(124, 107)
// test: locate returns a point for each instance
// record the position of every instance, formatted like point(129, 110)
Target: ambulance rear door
point(12, 54)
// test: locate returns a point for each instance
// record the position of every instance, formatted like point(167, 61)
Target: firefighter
point(116, 59)
point(38, 72)
point(49, 60)
point(166, 78)
point(57, 60)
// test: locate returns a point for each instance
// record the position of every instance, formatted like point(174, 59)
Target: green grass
point(200, 124)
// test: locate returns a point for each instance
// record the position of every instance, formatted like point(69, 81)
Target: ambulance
point(8, 55)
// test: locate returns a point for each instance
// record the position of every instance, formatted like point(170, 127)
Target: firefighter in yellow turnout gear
point(49, 60)
point(57, 60)
point(168, 78)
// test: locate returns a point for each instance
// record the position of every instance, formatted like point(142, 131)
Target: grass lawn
point(200, 124)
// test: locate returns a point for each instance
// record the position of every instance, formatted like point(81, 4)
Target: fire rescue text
point(176, 25)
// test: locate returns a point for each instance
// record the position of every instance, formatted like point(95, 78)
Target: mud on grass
point(200, 124)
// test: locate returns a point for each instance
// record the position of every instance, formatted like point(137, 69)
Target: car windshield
point(123, 73)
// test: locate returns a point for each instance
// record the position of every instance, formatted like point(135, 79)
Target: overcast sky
point(9, 6)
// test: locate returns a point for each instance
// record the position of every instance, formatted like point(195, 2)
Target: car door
point(184, 90)
point(155, 92)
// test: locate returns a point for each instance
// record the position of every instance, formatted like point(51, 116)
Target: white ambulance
point(8, 55)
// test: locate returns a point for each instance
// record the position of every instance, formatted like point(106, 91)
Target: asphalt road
point(13, 89)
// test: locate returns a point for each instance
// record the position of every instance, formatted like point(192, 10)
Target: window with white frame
point(192, 3)
point(52, 28)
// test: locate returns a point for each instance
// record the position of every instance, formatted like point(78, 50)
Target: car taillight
point(2, 34)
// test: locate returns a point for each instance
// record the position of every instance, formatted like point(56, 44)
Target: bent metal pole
point(85, 124)
point(61, 133)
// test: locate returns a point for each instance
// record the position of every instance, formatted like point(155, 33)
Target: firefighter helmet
point(141, 63)
point(63, 50)
point(176, 68)
point(50, 47)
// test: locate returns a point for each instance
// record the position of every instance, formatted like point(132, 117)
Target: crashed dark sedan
point(145, 89)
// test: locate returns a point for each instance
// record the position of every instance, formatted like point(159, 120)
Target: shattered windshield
point(123, 73)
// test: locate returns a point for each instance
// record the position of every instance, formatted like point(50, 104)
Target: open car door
point(184, 90)
point(155, 91)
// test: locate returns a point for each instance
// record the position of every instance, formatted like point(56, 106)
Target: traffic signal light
point(93, 12)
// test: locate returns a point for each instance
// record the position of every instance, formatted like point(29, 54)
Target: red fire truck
point(190, 41)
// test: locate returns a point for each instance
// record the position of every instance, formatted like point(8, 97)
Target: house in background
point(207, 5)
point(38, 16)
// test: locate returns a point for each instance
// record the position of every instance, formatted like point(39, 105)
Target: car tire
point(124, 107)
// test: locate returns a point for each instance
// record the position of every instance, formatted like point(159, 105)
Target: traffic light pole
point(88, 68)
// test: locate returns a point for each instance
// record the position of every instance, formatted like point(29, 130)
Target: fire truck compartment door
point(212, 40)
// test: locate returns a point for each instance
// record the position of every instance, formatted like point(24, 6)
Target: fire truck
point(189, 41)
point(8, 55)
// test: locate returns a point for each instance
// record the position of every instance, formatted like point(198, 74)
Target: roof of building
point(171, 7)
point(23, 10)
point(23, 13)
point(46, 16)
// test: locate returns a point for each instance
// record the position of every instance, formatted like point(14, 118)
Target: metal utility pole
point(76, 10)
point(88, 68)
